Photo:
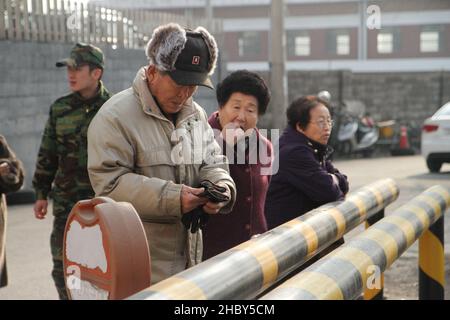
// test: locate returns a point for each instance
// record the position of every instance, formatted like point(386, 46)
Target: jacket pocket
point(157, 164)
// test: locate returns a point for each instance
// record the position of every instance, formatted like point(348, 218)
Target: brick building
point(393, 55)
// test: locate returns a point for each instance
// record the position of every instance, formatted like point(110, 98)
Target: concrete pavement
point(28, 255)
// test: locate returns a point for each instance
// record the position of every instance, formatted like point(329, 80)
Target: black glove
point(197, 218)
point(213, 192)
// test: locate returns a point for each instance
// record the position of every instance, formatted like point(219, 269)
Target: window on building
point(385, 42)
point(249, 44)
point(343, 44)
point(302, 46)
point(429, 41)
point(299, 43)
point(338, 42)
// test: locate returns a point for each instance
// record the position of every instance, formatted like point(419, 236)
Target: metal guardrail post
point(431, 262)
point(345, 273)
point(248, 269)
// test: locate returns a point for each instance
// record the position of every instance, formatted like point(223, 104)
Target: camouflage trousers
point(61, 210)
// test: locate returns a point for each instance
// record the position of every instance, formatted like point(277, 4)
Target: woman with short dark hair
point(306, 179)
point(242, 97)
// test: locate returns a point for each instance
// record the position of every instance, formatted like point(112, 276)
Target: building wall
point(294, 8)
point(406, 97)
point(325, 53)
point(407, 17)
point(409, 43)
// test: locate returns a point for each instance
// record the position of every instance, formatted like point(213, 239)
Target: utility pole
point(209, 14)
point(278, 76)
point(362, 31)
point(218, 34)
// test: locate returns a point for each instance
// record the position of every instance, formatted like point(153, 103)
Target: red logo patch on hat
point(196, 60)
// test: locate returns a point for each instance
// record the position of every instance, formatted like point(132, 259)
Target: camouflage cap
point(81, 54)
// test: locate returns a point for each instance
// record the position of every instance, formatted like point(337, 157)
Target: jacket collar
point(102, 95)
point(322, 151)
point(214, 121)
point(148, 103)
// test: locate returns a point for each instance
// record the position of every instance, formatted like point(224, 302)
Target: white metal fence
point(69, 21)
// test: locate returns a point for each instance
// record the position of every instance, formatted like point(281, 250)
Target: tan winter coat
point(134, 156)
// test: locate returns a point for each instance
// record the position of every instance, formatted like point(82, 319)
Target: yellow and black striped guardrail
point(431, 262)
point(347, 271)
point(248, 269)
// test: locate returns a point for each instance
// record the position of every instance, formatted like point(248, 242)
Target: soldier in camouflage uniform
point(61, 168)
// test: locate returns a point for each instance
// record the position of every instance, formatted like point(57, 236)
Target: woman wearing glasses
point(306, 179)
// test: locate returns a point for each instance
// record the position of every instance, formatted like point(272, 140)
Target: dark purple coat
point(223, 232)
point(303, 180)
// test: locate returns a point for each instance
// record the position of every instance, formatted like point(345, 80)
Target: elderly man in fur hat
point(151, 145)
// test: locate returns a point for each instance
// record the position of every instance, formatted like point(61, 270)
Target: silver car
point(436, 139)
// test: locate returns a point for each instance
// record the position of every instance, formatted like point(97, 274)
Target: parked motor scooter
point(356, 135)
point(352, 132)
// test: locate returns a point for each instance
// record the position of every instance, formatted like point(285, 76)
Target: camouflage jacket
point(62, 157)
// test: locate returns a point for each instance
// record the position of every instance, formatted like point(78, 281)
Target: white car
point(436, 138)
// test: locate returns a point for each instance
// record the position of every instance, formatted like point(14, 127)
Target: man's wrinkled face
point(170, 96)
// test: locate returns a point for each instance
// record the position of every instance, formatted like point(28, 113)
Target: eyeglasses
point(323, 123)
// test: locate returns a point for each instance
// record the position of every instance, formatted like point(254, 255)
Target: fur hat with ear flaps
point(189, 56)
point(212, 48)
